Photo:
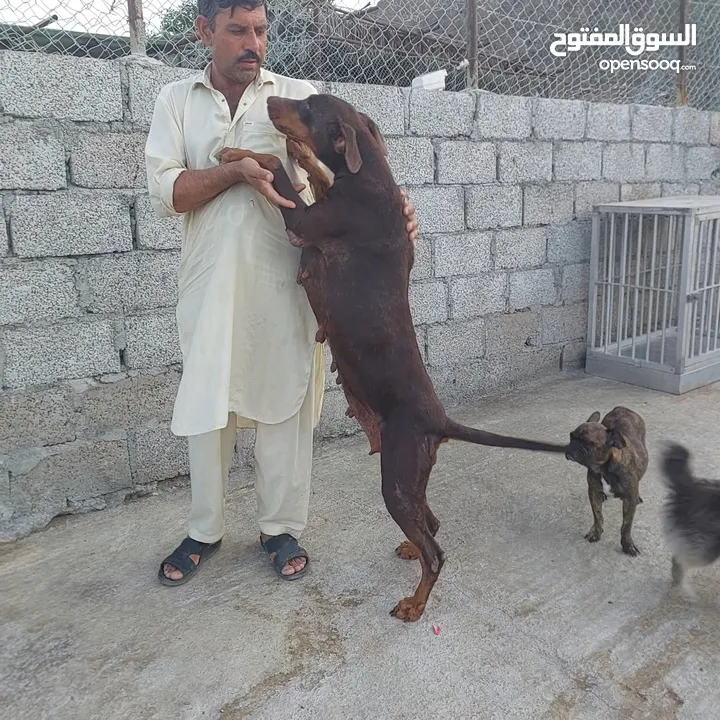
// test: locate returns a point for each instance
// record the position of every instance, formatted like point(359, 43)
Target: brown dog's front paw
point(408, 610)
point(407, 551)
point(629, 548)
point(227, 155)
point(594, 535)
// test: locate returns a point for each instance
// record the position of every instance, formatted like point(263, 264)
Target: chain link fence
point(392, 42)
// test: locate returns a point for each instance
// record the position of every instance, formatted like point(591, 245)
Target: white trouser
point(283, 464)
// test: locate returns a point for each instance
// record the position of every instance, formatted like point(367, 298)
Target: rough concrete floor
point(535, 621)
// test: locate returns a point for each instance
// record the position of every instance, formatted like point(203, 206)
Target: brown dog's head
point(591, 443)
point(330, 126)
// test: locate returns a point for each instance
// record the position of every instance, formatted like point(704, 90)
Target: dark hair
point(210, 8)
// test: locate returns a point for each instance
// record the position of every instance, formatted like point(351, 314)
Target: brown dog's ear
point(595, 417)
point(615, 440)
point(375, 132)
point(346, 144)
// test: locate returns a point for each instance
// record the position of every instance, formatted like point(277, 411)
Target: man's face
point(238, 42)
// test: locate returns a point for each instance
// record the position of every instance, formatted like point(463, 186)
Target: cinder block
point(588, 194)
point(559, 119)
point(438, 209)
point(491, 206)
point(532, 287)
point(33, 157)
point(624, 162)
point(512, 333)
point(37, 291)
point(153, 232)
point(691, 127)
point(525, 162)
point(4, 244)
point(421, 337)
point(35, 356)
point(108, 160)
point(35, 418)
point(702, 162)
point(548, 204)
point(69, 474)
point(710, 187)
point(456, 342)
point(715, 128)
point(575, 283)
point(607, 121)
point(466, 162)
point(438, 113)
point(75, 223)
point(664, 162)
point(652, 123)
point(568, 322)
point(578, 161)
point(503, 116)
point(669, 189)
point(145, 82)
point(422, 263)
point(573, 355)
point(480, 295)
point(333, 421)
point(520, 248)
point(125, 403)
point(152, 341)
point(464, 254)
point(569, 243)
point(639, 191)
point(412, 160)
point(39, 85)
point(384, 104)
point(156, 454)
point(428, 302)
point(129, 282)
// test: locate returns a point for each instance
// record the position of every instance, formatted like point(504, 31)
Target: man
point(246, 329)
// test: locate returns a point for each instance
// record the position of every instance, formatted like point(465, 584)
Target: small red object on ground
point(436, 629)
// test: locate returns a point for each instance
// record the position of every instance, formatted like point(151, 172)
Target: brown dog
point(612, 450)
point(355, 267)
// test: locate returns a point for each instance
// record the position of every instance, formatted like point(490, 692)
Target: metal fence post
point(472, 43)
point(137, 28)
point(681, 76)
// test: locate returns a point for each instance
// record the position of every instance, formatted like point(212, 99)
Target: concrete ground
point(535, 622)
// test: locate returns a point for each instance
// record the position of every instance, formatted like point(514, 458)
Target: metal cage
point(654, 300)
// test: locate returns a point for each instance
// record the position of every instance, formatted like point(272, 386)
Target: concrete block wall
point(89, 358)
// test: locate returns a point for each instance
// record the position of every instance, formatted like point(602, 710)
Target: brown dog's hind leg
point(406, 550)
point(597, 497)
point(628, 546)
point(406, 464)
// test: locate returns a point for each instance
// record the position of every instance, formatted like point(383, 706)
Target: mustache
point(249, 55)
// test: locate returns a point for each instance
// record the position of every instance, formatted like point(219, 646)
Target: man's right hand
point(261, 180)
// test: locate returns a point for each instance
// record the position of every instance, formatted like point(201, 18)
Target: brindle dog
point(612, 450)
point(355, 267)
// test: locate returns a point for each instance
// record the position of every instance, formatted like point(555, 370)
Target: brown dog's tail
point(456, 431)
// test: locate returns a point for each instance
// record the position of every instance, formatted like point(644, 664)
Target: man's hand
point(261, 180)
point(409, 213)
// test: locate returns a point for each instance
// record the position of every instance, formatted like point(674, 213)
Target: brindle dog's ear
point(595, 417)
point(346, 144)
point(616, 440)
point(375, 132)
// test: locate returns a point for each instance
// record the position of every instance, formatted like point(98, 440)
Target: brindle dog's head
point(328, 125)
point(591, 443)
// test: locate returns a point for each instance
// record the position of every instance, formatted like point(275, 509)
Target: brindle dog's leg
point(628, 546)
point(597, 498)
point(405, 465)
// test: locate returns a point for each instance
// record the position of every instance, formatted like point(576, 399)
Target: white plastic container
point(431, 81)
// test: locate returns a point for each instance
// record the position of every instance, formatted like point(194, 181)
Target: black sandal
point(180, 559)
point(285, 548)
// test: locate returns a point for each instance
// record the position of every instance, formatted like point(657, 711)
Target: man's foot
point(183, 562)
point(289, 559)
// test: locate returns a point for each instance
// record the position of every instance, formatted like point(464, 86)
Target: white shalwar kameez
point(246, 329)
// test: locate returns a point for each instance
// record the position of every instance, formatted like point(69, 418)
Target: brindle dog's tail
point(456, 431)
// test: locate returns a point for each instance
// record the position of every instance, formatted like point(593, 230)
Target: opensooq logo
point(635, 43)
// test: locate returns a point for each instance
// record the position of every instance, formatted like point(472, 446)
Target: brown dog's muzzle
point(284, 116)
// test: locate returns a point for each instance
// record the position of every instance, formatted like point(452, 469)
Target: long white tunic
point(247, 332)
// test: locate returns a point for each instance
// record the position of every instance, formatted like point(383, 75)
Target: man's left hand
point(409, 213)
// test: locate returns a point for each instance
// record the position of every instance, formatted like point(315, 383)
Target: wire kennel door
point(654, 302)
